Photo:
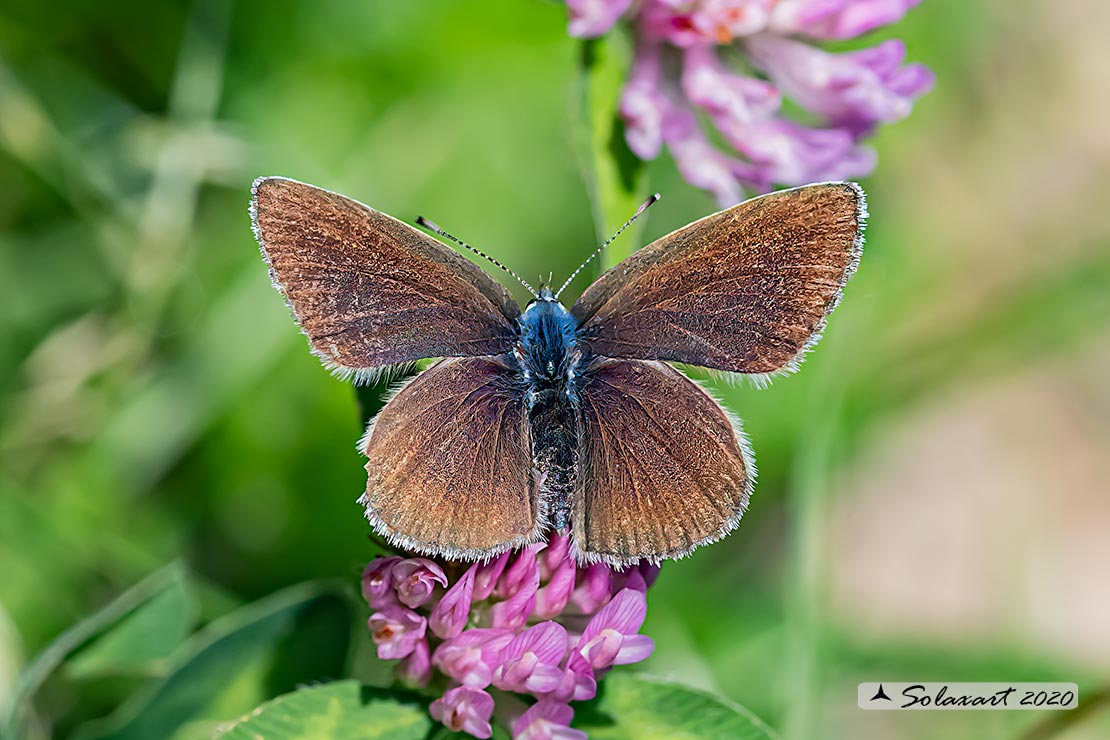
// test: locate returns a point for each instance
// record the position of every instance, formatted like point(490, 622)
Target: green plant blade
point(262, 649)
point(144, 640)
point(337, 710)
point(37, 671)
point(631, 706)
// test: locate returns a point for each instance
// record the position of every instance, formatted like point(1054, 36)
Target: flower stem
point(615, 178)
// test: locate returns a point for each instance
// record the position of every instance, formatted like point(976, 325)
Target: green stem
point(615, 178)
point(38, 670)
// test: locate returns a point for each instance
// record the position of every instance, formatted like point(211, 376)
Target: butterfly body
point(550, 418)
point(549, 363)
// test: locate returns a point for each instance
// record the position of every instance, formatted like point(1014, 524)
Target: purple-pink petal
point(396, 631)
point(836, 19)
point(451, 613)
point(643, 105)
point(465, 709)
point(552, 598)
point(723, 94)
point(592, 18)
point(699, 162)
point(514, 611)
point(485, 580)
point(530, 663)
point(546, 720)
point(593, 589)
point(555, 554)
point(578, 681)
point(377, 582)
point(548, 640)
point(721, 21)
point(527, 675)
point(625, 614)
point(472, 657)
point(856, 90)
point(520, 573)
point(650, 572)
point(415, 579)
point(633, 649)
point(416, 669)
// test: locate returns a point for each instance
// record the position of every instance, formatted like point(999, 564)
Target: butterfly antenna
point(639, 212)
point(431, 226)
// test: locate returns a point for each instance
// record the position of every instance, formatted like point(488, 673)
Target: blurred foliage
point(156, 401)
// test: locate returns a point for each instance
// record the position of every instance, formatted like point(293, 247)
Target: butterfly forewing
point(745, 290)
point(450, 462)
point(662, 468)
point(369, 290)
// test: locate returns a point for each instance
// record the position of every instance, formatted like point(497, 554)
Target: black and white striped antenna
point(639, 212)
point(431, 226)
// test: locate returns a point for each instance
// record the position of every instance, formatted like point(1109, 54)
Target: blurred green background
point(932, 502)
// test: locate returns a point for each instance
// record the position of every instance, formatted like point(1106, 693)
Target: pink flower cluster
point(530, 623)
point(678, 74)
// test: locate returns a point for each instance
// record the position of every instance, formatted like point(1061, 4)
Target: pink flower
point(416, 669)
point(396, 631)
point(530, 663)
point(591, 18)
point(677, 72)
point(450, 614)
point(611, 637)
point(377, 582)
point(544, 620)
point(836, 19)
point(415, 579)
point(472, 657)
point(546, 720)
point(465, 709)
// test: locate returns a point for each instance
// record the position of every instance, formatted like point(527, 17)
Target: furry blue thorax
point(547, 349)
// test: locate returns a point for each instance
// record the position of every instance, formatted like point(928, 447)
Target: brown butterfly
point(549, 419)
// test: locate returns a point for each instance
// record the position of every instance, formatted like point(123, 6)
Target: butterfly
point(546, 418)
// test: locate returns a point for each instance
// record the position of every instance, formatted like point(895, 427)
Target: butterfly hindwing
point(450, 462)
point(662, 469)
point(371, 291)
point(745, 290)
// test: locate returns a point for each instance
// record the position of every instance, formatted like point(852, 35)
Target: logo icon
point(880, 694)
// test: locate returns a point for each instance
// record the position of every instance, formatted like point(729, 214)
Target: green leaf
point(294, 636)
point(633, 707)
point(615, 177)
point(337, 710)
point(143, 640)
point(38, 670)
